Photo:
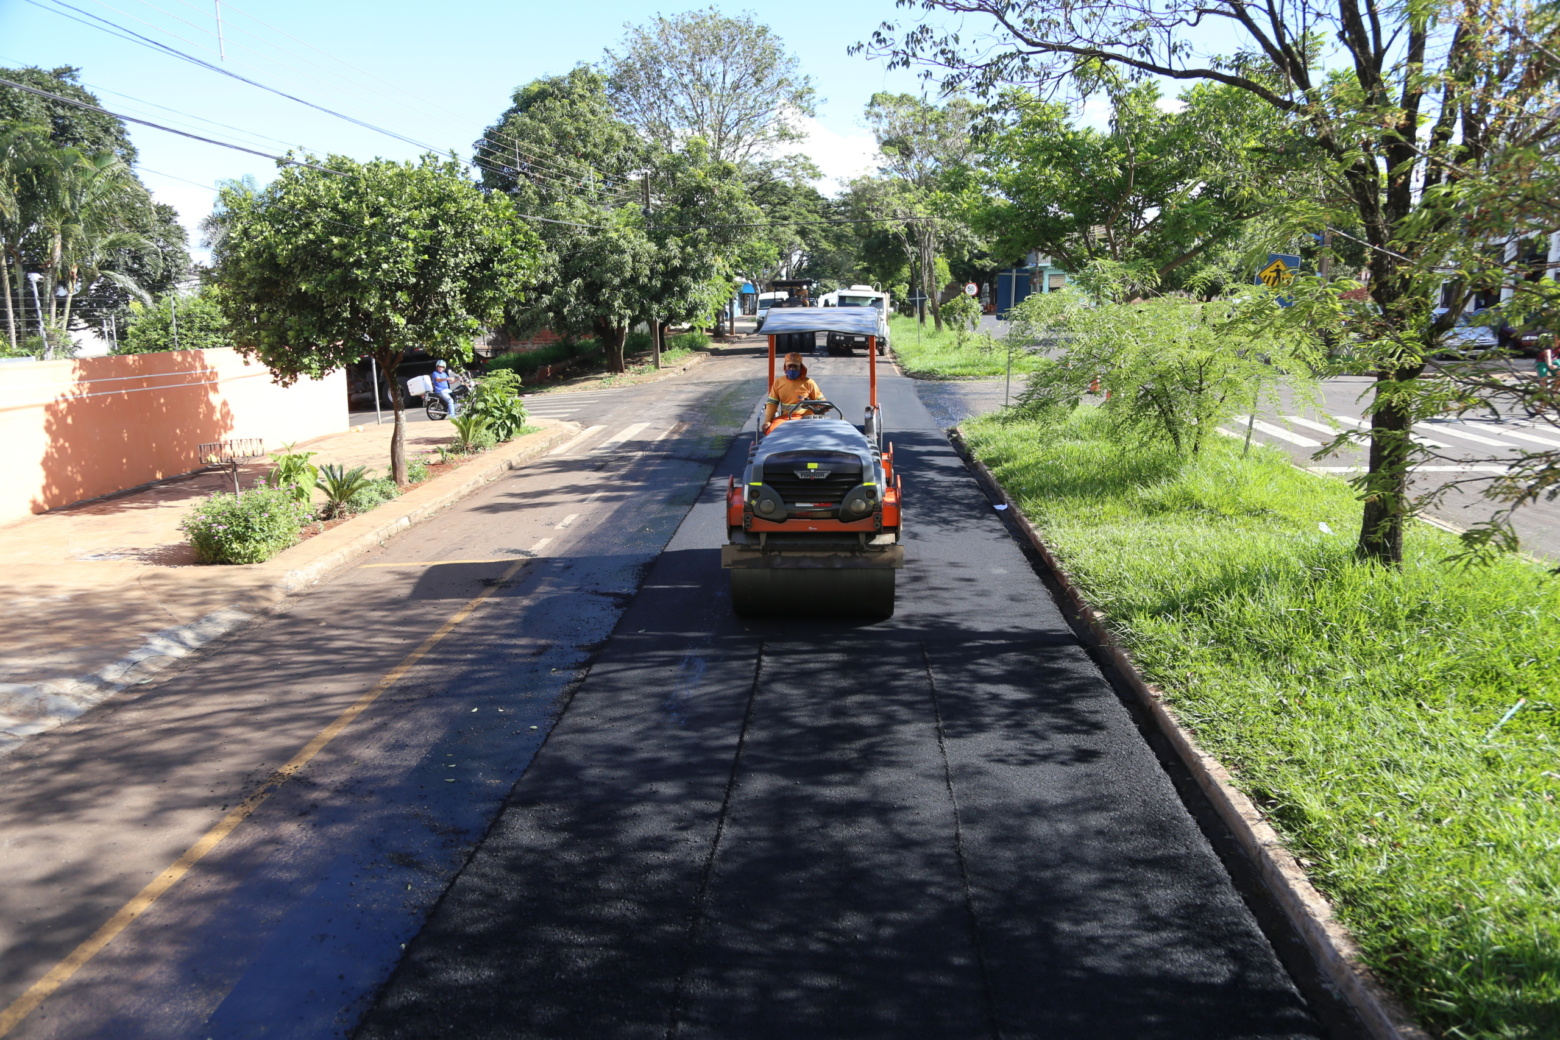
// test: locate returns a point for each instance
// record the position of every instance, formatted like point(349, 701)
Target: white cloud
point(841, 157)
point(1170, 104)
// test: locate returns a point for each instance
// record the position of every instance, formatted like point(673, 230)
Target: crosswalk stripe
point(618, 438)
point(1522, 436)
point(1464, 434)
point(564, 449)
point(1426, 441)
point(1277, 431)
point(1300, 420)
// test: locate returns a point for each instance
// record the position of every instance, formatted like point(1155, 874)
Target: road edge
point(27, 709)
point(1331, 947)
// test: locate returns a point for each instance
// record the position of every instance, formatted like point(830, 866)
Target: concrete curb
point(30, 708)
point(1332, 949)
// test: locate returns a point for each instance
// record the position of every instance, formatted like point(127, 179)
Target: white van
point(766, 301)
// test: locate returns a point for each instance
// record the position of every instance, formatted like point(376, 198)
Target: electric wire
point(168, 129)
point(124, 33)
point(105, 25)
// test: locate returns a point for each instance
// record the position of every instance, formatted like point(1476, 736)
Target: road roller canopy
point(853, 321)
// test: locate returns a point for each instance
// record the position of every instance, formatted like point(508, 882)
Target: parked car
point(1470, 334)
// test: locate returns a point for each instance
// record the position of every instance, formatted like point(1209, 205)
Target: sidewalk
point(107, 593)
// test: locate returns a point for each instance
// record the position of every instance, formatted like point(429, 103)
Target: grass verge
point(1368, 712)
point(926, 353)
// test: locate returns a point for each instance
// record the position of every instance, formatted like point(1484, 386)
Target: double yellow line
point(143, 901)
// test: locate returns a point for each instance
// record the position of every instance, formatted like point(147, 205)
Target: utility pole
point(655, 323)
point(1324, 267)
point(221, 46)
point(173, 305)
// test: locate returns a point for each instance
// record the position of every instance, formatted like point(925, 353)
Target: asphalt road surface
point(563, 792)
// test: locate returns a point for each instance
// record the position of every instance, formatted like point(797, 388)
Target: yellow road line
point(62, 972)
point(433, 563)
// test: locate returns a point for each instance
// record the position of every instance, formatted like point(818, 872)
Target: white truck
point(844, 344)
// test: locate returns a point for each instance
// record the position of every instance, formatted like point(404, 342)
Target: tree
point(701, 74)
point(924, 151)
point(1157, 187)
point(1416, 100)
point(326, 265)
point(561, 154)
point(72, 209)
point(92, 133)
point(193, 322)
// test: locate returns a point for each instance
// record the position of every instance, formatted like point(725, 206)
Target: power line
point(115, 29)
point(158, 126)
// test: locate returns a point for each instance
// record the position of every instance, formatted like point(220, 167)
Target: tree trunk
point(611, 337)
point(389, 366)
point(1386, 480)
point(10, 307)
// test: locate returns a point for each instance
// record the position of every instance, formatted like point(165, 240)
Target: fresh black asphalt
point(943, 825)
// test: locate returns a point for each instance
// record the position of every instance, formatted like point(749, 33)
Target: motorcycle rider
point(442, 386)
point(792, 387)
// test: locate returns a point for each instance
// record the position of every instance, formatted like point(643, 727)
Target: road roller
point(813, 527)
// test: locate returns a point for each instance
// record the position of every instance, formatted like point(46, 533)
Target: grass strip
point(926, 353)
point(1398, 727)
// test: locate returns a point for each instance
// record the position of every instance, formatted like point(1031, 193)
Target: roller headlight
point(766, 502)
point(859, 502)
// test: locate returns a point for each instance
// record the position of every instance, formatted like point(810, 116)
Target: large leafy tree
point(1157, 188)
point(702, 221)
point(924, 158)
point(72, 209)
point(728, 81)
point(93, 133)
point(562, 155)
point(1402, 105)
point(338, 259)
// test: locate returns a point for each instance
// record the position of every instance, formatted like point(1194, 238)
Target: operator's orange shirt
point(790, 391)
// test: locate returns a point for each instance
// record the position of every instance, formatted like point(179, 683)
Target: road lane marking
point(566, 521)
point(618, 438)
point(159, 886)
point(1312, 424)
point(589, 431)
point(1465, 435)
point(434, 563)
point(1276, 431)
point(1519, 435)
point(536, 550)
point(1426, 441)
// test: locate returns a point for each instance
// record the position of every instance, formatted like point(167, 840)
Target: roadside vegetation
point(1399, 726)
point(925, 352)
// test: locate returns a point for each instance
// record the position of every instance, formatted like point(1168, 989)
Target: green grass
point(928, 354)
point(1358, 706)
point(553, 353)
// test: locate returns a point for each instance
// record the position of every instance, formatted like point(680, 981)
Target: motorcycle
point(433, 404)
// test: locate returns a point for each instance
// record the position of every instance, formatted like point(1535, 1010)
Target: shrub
point(416, 471)
point(472, 432)
point(294, 473)
point(246, 528)
point(496, 400)
point(340, 485)
point(374, 493)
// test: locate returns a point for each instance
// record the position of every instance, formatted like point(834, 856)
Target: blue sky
point(436, 73)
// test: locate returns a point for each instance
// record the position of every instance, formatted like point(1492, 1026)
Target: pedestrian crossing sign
point(1280, 270)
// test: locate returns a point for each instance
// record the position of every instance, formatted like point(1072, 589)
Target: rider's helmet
point(438, 364)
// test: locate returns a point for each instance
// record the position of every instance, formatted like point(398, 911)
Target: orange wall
point(86, 427)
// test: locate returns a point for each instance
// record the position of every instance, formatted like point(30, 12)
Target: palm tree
point(84, 202)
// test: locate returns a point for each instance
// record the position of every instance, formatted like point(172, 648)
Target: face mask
point(793, 373)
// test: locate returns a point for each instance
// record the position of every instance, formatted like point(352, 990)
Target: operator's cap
point(794, 359)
